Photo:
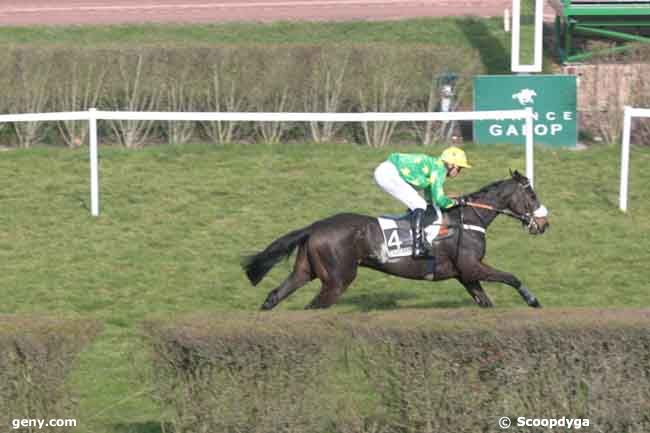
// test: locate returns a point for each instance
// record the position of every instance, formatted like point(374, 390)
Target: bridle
point(528, 218)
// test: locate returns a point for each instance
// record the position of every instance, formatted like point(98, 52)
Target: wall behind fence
point(604, 88)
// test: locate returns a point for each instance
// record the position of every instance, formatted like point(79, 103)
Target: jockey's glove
point(461, 201)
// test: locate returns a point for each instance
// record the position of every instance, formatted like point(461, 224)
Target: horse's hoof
point(535, 303)
point(267, 306)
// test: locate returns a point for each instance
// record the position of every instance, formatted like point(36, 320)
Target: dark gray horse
point(332, 249)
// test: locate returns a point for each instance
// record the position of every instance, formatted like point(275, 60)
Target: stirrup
point(419, 254)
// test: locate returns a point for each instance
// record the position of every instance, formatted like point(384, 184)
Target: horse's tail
point(258, 265)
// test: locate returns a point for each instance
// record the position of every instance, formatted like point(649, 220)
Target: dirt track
point(62, 12)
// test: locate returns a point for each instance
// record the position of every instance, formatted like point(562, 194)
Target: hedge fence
point(408, 371)
point(36, 355)
point(313, 78)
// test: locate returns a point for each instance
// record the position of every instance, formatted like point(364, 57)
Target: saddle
point(398, 236)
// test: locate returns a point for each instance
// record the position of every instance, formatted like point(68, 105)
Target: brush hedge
point(408, 371)
point(276, 78)
point(36, 356)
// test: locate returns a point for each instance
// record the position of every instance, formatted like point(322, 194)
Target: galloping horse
point(331, 249)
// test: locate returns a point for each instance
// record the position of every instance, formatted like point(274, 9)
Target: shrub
point(402, 371)
point(276, 78)
point(36, 355)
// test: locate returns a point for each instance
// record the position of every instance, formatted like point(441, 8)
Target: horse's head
point(524, 202)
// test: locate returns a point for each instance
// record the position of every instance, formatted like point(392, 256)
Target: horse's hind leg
point(329, 293)
point(477, 293)
point(336, 273)
point(301, 275)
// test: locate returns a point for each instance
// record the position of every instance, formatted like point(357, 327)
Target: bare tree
point(130, 95)
point(180, 95)
point(382, 86)
point(324, 92)
point(31, 84)
point(426, 132)
point(6, 101)
point(79, 89)
point(224, 94)
point(385, 95)
point(272, 132)
point(273, 93)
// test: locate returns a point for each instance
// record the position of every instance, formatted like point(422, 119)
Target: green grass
point(438, 31)
point(176, 220)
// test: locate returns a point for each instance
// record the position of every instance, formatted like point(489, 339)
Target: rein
point(508, 212)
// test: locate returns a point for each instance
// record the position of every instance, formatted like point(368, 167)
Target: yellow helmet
point(456, 156)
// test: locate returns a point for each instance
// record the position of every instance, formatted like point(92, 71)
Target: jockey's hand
point(461, 201)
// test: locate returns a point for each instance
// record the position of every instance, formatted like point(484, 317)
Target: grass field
point(176, 220)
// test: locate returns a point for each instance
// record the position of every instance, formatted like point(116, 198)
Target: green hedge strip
point(318, 78)
point(407, 371)
point(36, 355)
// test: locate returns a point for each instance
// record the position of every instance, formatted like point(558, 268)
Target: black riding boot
point(418, 237)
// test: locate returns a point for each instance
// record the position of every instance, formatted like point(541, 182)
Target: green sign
point(552, 97)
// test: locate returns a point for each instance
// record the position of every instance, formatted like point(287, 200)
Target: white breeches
point(388, 179)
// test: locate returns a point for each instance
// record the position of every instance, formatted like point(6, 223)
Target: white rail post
point(515, 38)
point(625, 158)
point(530, 140)
point(94, 165)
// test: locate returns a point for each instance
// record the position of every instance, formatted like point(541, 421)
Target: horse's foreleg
point(478, 294)
point(301, 275)
point(487, 273)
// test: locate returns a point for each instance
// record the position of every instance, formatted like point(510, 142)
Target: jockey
point(405, 173)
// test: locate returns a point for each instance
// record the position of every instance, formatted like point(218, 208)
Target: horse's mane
point(488, 188)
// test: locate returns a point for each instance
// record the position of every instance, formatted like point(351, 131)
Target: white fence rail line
point(45, 117)
point(93, 115)
point(267, 117)
point(628, 114)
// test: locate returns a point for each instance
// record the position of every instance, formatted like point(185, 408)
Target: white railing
point(628, 114)
point(93, 115)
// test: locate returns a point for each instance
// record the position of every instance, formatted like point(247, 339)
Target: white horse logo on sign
point(525, 96)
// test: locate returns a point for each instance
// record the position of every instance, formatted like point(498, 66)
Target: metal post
point(530, 134)
point(515, 38)
point(515, 35)
point(94, 165)
point(625, 158)
point(539, 36)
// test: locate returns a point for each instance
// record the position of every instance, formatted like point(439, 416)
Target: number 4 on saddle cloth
point(398, 238)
